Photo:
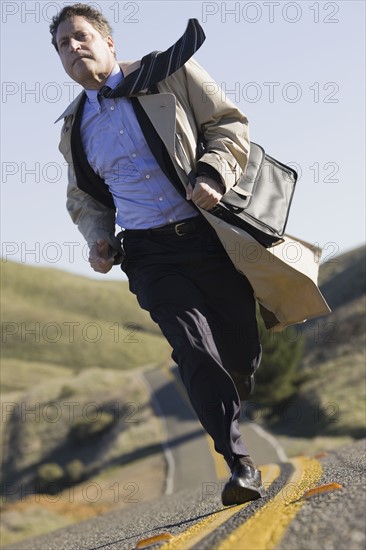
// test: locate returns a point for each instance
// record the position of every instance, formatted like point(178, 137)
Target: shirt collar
point(115, 77)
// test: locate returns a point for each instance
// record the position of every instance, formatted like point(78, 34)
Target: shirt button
point(112, 108)
point(121, 131)
point(161, 199)
point(134, 155)
point(170, 220)
point(147, 176)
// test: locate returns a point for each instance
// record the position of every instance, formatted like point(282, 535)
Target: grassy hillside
point(343, 284)
point(335, 346)
point(331, 399)
point(71, 389)
point(49, 316)
point(57, 422)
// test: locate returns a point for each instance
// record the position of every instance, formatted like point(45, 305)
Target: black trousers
point(206, 311)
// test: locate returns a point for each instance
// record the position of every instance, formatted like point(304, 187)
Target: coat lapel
point(72, 108)
point(161, 110)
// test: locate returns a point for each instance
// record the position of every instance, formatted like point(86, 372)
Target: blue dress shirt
point(117, 151)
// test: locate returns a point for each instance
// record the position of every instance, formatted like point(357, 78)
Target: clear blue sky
point(295, 68)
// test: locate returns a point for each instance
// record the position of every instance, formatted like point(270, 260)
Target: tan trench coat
point(284, 278)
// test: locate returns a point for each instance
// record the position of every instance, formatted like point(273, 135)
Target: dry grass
point(116, 482)
point(118, 488)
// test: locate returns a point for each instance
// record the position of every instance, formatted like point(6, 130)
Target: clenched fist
point(206, 193)
point(99, 257)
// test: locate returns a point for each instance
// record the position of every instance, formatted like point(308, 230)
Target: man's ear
point(110, 43)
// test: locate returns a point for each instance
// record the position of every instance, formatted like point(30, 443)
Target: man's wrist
point(207, 171)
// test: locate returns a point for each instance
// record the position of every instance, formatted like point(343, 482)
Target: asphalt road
point(186, 449)
point(288, 517)
point(335, 520)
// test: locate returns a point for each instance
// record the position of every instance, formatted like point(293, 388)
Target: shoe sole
point(234, 494)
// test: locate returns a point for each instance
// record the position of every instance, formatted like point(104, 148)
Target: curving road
point(312, 503)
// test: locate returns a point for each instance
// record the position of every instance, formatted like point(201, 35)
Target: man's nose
point(74, 44)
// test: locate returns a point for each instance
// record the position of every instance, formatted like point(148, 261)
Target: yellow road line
point(194, 534)
point(265, 529)
point(221, 467)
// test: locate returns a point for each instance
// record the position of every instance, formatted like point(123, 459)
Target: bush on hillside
point(74, 471)
point(66, 391)
point(85, 428)
point(278, 375)
point(49, 478)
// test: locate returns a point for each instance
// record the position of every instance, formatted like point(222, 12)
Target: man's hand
point(99, 258)
point(206, 193)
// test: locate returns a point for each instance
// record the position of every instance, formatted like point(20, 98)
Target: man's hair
point(95, 17)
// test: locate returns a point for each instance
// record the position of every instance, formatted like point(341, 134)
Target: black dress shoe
point(244, 384)
point(244, 485)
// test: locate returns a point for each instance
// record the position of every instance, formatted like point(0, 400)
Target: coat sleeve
point(93, 219)
point(223, 125)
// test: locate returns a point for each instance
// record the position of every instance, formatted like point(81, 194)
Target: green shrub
point(49, 478)
point(66, 391)
point(278, 376)
point(74, 471)
point(85, 428)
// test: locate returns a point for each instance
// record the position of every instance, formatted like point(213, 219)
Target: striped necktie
point(156, 66)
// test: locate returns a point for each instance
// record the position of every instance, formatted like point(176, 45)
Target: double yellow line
point(201, 529)
point(266, 527)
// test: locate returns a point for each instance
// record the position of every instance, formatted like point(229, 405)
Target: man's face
point(87, 57)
